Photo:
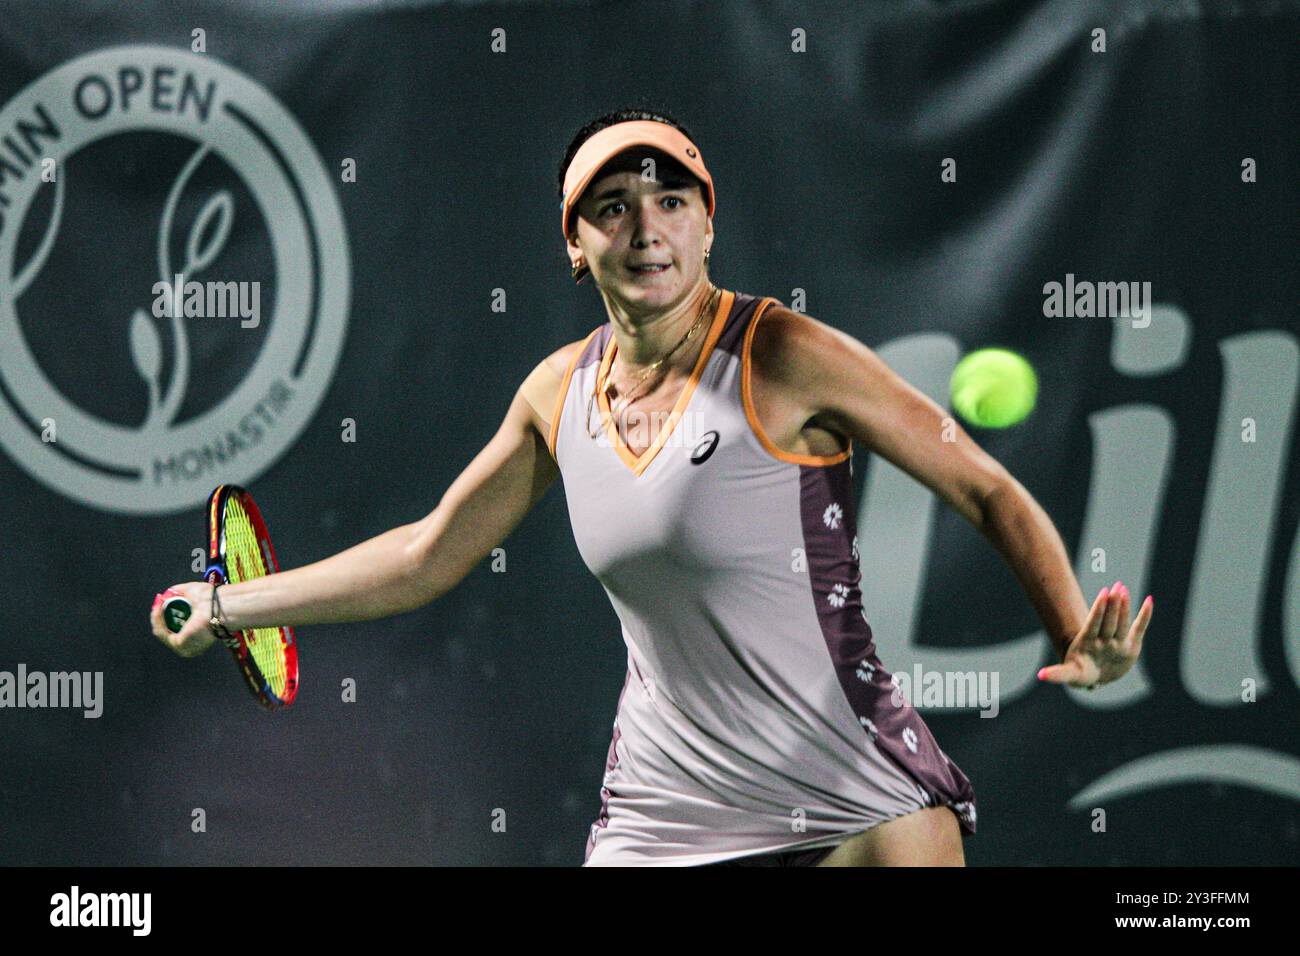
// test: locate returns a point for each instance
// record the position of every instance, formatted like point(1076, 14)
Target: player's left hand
point(1106, 647)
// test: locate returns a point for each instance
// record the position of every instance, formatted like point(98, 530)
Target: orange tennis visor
point(601, 147)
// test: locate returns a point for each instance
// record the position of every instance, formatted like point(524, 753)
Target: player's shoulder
point(561, 358)
point(545, 382)
point(788, 343)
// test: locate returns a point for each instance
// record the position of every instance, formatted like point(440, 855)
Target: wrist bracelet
point(217, 624)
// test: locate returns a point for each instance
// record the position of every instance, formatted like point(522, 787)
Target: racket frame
point(217, 573)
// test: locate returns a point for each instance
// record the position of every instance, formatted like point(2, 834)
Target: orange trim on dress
point(752, 414)
point(564, 390)
point(639, 465)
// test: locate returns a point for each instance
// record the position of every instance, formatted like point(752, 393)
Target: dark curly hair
point(609, 119)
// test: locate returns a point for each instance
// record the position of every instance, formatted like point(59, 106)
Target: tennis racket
point(239, 549)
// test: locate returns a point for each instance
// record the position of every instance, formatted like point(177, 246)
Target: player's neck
point(643, 339)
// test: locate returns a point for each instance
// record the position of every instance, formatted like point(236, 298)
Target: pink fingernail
point(1041, 673)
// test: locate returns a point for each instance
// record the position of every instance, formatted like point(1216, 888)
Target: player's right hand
point(195, 636)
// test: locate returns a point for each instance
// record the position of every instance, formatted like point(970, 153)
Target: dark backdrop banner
point(918, 175)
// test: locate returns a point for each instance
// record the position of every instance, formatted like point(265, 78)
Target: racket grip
point(175, 612)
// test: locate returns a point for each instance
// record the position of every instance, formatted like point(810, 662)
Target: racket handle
point(175, 612)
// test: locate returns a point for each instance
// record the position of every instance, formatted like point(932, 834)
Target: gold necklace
point(630, 398)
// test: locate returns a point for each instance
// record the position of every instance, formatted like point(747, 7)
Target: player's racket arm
point(413, 564)
point(373, 579)
point(486, 502)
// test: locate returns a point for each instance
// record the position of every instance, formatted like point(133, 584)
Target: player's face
point(626, 221)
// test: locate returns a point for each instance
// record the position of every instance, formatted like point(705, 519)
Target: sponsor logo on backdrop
point(1224, 646)
point(263, 183)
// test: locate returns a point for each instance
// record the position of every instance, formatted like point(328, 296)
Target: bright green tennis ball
point(994, 388)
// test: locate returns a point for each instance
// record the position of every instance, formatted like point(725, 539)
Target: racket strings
point(244, 561)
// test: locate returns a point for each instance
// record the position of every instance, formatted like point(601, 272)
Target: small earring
point(577, 267)
point(706, 256)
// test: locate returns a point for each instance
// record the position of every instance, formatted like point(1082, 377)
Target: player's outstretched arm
point(847, 387)
point(401, 569)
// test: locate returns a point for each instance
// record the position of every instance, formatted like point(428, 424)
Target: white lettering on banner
point(1126, 496)
point(261, 182)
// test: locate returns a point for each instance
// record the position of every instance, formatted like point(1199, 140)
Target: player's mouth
point(649, 269)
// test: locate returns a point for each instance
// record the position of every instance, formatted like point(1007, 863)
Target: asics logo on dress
point(701, 452)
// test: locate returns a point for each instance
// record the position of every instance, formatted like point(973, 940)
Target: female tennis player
point(704, 436)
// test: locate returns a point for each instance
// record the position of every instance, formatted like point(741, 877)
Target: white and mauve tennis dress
point(755, 716)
